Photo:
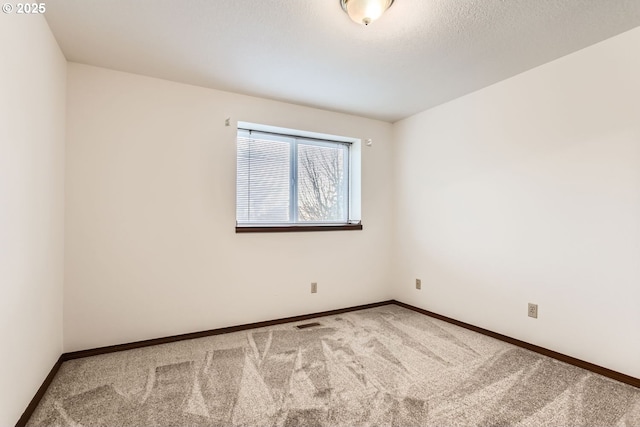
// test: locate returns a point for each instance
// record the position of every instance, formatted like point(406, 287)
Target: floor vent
point(308, 325)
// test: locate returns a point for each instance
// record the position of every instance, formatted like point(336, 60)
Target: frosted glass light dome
point(365, 11)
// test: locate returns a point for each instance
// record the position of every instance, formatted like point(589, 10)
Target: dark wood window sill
point(296, 228)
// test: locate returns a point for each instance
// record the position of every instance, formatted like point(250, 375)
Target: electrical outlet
point(533, 310)
point(314, 288)
point(418, 284)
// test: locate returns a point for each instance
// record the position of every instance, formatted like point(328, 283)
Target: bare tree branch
point(320, 179)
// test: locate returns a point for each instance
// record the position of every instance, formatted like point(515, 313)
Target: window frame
point(295, 138)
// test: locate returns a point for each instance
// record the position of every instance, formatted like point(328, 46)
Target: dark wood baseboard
point(39, 394)
point(618, 376)
point(202, 334)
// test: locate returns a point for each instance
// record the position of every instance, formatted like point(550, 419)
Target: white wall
point(529, 191)
point(32, 120)
point(151, 248)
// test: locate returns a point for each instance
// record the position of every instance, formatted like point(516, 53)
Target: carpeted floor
point(385, 366)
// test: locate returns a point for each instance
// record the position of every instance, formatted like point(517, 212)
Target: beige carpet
point(386, 366)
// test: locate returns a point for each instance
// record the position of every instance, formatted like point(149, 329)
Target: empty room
point(320, 213)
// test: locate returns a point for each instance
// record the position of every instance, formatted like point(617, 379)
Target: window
point(288, 181)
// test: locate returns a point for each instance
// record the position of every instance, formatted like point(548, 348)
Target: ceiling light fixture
point(365, 11)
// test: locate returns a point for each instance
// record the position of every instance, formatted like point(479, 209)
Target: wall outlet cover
point(533, 310)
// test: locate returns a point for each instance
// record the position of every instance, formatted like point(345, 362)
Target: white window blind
point(284, 179)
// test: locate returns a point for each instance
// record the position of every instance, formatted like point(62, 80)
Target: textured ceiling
point(421, 53)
